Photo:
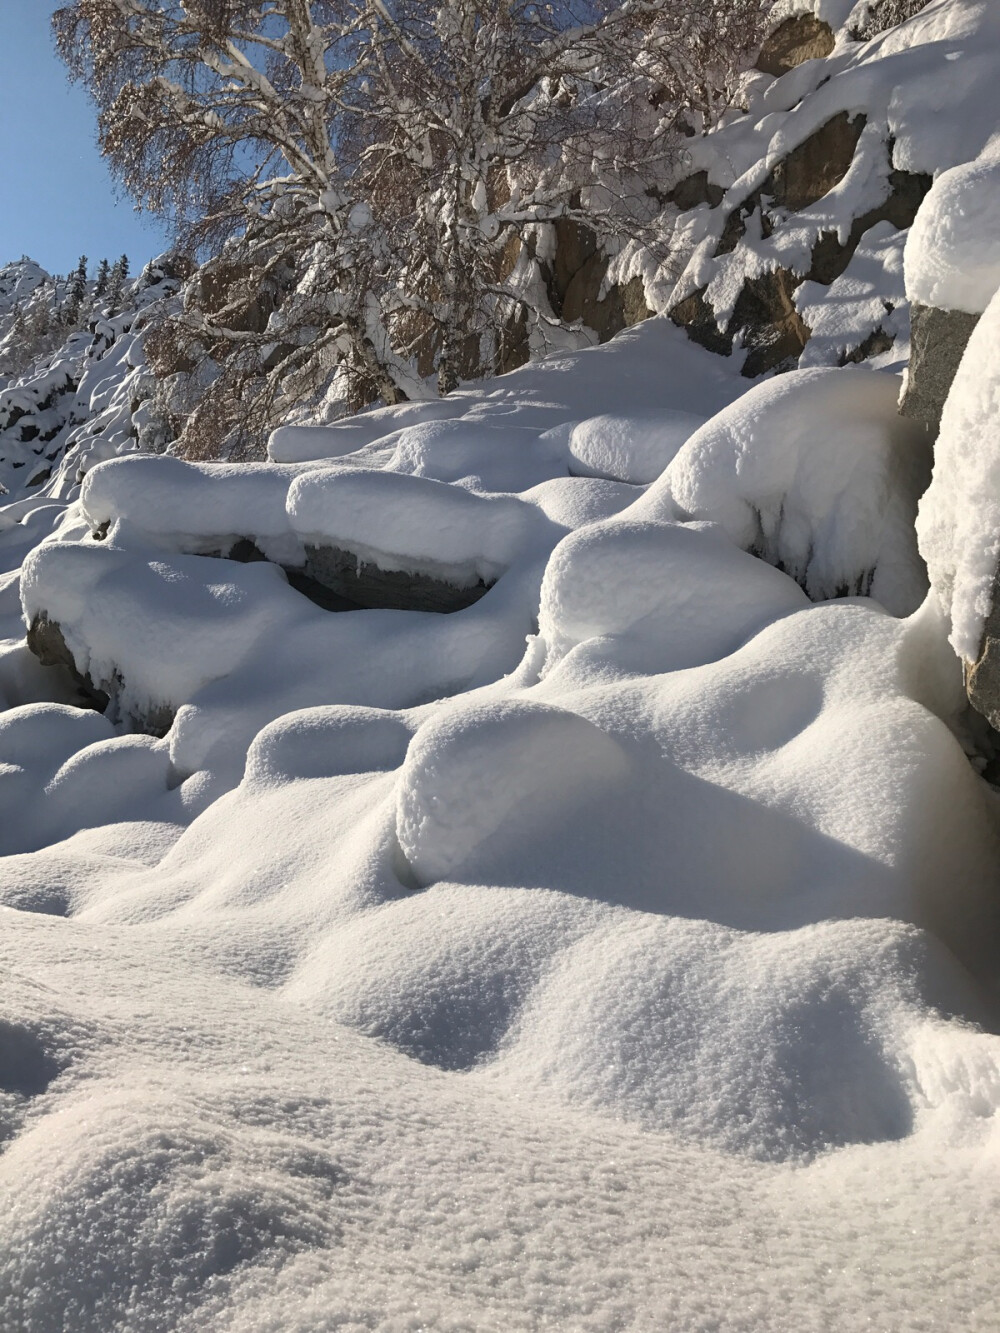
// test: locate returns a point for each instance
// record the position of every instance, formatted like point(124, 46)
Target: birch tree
point(365, 173)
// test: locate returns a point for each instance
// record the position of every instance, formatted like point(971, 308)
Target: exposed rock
point(877, 342)
point(697, 317)
point(793, 43)
point(880, 15)
point(817, 165)
point(576, 278)
point(830, 256)
point(772, 329)
point(46, 640)
point(579, 298)
point(938, 340)
point(765, 315)
point(366, 585)
point(982, 678)
point(622, 307)
point(695, 190)
point(575, 246)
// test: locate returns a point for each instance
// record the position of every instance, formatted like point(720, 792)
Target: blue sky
point(57, 200)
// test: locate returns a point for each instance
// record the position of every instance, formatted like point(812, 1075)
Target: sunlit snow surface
point(615, 953)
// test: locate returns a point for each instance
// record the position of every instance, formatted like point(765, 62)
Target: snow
point(959, 520)
point(615, 952)
point(442, 970)
point(832, 504)
point(952, 255)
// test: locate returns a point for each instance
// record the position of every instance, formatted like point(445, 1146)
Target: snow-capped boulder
point(958, 523)
point(952, 265)
point(816, 473)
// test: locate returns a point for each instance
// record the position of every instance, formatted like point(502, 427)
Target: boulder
point(47, 641)
point(831, 256)
point(938, 339)
point(366, 585)
point(818, 164)
point(793, 43)
point(695, 190)
point(697, 318)
point(773, 331)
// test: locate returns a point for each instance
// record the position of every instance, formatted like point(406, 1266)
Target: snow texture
point(953, 255)
point(616, 952)
point(433, 968)
point(959, 519)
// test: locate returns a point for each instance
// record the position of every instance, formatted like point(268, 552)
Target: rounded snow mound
point(952, 257)
point(959, 520)
point(816, 473)
point(633, 448)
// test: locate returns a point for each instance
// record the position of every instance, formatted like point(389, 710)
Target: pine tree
point(101, 285)
point(70, 314)
point(116, 284)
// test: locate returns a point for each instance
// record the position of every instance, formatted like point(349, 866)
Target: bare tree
point(483, 118)
point(365, 172)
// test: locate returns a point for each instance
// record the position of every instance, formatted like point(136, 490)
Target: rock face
point(818, 164)
point(366, 585)
point(764, 317)
point(46, 640)
point(793, 43)
point(576, 277)
point(773, 330)
point(938, 339)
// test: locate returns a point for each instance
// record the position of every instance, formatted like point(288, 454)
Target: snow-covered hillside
point(517, 860)
point(87, 396)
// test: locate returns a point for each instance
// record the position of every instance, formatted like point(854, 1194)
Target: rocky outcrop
point(793, 43)
point(47, 641)
point(818, 164)
point(764, 318)
point(938, 339)
point(366, 585)
point(772, 329)
point(576, 279)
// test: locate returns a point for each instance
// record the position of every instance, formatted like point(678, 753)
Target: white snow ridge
point(521, 860)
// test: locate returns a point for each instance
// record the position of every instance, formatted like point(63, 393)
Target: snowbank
point(617, 951)
point(816, 473)
point(953, 255)
point(959, 519)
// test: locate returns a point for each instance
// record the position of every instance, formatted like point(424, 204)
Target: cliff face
point(787, 224)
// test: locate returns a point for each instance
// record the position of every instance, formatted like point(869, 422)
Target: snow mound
point(832, 504)
point(959, 519)
point(952, 254)
point(412, 523)
point(432, 968)
point(633, 448)
point(680, 595)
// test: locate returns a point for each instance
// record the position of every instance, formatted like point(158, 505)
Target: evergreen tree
point(103, 275)
point(70, 315)
point(116, 284)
